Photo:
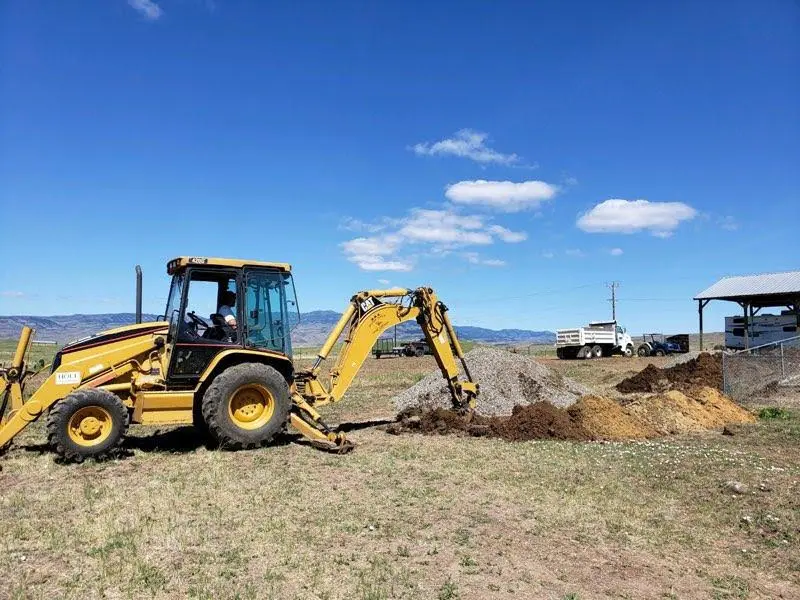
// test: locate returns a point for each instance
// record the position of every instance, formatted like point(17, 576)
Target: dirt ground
point(413, 516)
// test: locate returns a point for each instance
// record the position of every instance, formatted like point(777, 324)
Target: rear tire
point(88, 423)
point(585, 353)
point(378, 354)
point(246, 406)
point(419, 352)
point(597, 352)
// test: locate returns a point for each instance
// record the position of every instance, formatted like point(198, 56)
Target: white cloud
point(375, 253)
point(147, 8)
point(466, 143)
point(441, 226)
point(503, 195)
point(384, 281)
point(474, 258)
point(12, 294)
point(427, 232)
point(493, 262)
point(616, 252)
point(506, 235)
point(575, 253)
point(629, 216)
point(728, 223)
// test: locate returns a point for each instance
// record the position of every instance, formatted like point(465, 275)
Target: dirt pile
point(590, 418)
point(538, 421)
point(506, 380)
point(698, 409)
point(703, 371)
point(605, 419)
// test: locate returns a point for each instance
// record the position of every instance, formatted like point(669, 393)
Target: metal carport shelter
point(752, 293)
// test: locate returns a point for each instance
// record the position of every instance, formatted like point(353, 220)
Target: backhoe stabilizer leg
point(309, 424)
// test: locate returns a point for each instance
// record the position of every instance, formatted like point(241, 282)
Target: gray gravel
point(505, 379)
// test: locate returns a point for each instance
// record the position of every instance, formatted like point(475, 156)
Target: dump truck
point(598, 339)
point(219, 358)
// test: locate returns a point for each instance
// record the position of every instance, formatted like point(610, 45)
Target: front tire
point(88, 423)
point(628, 352)
point(246, 406)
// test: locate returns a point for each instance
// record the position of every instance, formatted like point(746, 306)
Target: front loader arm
point(365, 319)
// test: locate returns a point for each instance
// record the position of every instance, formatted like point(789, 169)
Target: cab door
point(195, 338)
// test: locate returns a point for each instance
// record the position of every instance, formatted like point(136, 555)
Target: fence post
point(724, 375)
point(783, 364)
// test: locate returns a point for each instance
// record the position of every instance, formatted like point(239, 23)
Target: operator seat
point(221, 331)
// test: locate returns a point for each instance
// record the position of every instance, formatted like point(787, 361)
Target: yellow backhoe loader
point(230, 374)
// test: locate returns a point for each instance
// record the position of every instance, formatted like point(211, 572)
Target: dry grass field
point(411, 516)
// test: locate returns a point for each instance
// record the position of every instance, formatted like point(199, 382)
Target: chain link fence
point(749, 372)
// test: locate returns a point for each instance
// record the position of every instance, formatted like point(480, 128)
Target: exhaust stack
point(138, 294)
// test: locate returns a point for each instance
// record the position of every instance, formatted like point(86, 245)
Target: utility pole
point(613, 285)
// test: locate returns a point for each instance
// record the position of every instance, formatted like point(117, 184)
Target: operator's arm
point(228, 315)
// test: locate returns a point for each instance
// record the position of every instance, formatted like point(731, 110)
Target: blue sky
point(517, 156)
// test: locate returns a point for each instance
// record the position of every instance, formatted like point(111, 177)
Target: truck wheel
point(585, 352)
point(597, 352)
point(643, 351)
point(628, 352)
point(88, 423)
point(378, 354)
point(246, 406)
point(419, 352)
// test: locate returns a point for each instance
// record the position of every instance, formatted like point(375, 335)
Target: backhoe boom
point(367, 316)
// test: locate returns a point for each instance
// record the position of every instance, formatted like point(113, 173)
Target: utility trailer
point(598, 339)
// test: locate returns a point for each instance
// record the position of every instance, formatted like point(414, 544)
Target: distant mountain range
point(312, 330)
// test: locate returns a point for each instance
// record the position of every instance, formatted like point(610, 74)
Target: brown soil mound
point(705, 370)
point(698, 409)
point(538, 421)
point(604, 419)
point(591, 418)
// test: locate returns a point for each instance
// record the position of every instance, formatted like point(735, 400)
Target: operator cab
point(219, 304)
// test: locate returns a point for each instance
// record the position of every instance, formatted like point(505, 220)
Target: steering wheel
point(197, 320)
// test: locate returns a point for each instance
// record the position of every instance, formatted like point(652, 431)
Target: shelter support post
point(701, 304)
point(745, 307)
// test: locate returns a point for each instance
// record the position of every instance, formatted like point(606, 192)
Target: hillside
point(312, 330)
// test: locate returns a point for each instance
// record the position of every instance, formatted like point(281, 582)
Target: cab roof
point(181, 262)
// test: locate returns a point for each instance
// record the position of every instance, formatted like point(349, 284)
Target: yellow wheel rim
point(90, 426)
point(251, 406)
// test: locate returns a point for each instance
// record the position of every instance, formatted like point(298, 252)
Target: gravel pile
point(506, 380)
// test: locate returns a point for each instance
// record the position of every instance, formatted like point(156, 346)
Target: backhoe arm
point(368, 315)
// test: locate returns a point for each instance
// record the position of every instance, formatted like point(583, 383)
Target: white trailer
point(598, 339)
point(762, 329)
